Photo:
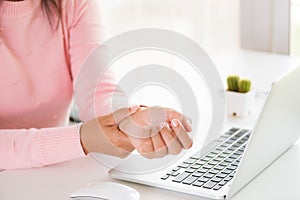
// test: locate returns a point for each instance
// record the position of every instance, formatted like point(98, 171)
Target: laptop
point(225, 166)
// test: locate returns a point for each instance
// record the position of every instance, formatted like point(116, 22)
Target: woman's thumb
point(117, 116)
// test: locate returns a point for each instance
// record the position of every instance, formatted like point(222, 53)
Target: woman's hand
point(156, 131)
point(102, 134)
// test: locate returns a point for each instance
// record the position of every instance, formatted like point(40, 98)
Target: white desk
point(280, 181)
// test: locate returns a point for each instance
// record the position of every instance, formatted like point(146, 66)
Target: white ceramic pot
point(239, 104)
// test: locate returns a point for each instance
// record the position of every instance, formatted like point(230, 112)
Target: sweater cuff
point(60, 144)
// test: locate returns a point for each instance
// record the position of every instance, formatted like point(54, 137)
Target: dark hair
point(52, 9)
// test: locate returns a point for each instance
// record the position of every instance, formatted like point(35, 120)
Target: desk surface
point(280, 181)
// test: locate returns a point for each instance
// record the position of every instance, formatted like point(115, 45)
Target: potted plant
point(239, 96)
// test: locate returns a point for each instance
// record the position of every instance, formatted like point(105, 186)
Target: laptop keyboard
point(216, 168)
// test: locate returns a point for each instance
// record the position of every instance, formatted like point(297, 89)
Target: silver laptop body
point(248, 152)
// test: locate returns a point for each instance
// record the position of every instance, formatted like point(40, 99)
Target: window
point(265, 25)
point(295, 28)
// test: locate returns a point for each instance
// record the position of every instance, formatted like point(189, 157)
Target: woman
point(43, 44)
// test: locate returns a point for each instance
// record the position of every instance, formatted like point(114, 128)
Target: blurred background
point(217, 25)
point(245, 37)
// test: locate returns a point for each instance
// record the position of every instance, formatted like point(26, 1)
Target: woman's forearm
point(27, 148)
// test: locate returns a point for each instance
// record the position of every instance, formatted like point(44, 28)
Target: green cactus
point(233, 83)
point(244, 85)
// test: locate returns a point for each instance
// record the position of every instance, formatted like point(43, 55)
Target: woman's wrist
point(84, 148)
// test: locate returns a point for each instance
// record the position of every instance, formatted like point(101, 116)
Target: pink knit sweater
point(38, 67)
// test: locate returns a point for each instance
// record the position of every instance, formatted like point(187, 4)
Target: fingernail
point(134, 108)
point(189, 122)
point(175, 123)
point(143, 106)
point(162, 125)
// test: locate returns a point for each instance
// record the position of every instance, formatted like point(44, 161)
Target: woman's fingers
point(160, 148)
point(119, 115)
point(170, 139)
point(186, 121)
point(143, 145)
point(181, 134)
point(167, 141)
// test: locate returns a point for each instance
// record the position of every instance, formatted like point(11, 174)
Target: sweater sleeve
point(26, 148)
point(94, 86)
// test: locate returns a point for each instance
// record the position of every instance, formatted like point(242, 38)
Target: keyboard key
point(240, 151)
point(217, 187)
point(219, 167)
point(197, 155)
point(190, 170)
point(202, 170)
point(234, 129)
point(222, 155)
point(222, 183)
point(228, 178)
point(176, 169)
point(184, 165)
point(235, 164)
point(229, 142)
point(198, 183)
point(216, 179)
point(210, 155)
point(231, 167)
point(197, 174)
point(228, 133)
point(224, 164)
point(226, 171)
point(215, 151)
point(243, 131)
point(233, 173)
point(195, 166)
point(240, 134)
point(203, 179)
point(208, 175)
point(181, 177)
point(236, 145)
point(205, 159)
point(208, 166)
point(201, 162)
point(190, 180)
point(232, 149)
point(165, 177)
point(214, 171)
point(227, 151)
point(217, 159)
point(220, 148)
point(209, 185)
point(221, 175)
point(232, 139)
point(234, 156)
point(230, 160)
point(235, 137)
point(222, 138)
point(172, 173)
point(189, 161)
point(213, 162)
point(225, 145)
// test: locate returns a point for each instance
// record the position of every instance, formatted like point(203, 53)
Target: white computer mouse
point(106, 191)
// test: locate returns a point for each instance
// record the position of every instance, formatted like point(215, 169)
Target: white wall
point(215, 24)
